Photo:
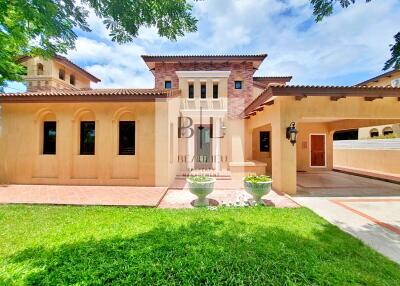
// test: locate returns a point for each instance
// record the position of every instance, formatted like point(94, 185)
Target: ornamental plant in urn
point(201, 186)
point(257, 186)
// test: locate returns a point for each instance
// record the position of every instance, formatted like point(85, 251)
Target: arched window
point(61, 74)
point(86, 125)
point(387, 130)
point(72, 79)
point(374, 132)
point(39, 68)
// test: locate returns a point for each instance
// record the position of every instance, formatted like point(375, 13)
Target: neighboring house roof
point(257, 59)
point(375, 79)
point(112, 94)
point(68, 63)
point(334, 92)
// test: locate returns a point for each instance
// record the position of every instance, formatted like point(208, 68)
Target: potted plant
point(257, 186)
point(201, 186)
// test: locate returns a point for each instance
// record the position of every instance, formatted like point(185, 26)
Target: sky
point(346, 48)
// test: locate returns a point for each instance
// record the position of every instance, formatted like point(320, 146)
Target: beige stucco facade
point(177, 131)
point(346, 113)
point(26, 164)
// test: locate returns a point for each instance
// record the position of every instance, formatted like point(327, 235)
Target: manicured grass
point(48, 245)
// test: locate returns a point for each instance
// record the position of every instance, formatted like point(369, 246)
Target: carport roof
point(334, 92)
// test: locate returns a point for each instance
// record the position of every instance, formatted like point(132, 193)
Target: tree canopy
point(46, 27)
point(324, 8)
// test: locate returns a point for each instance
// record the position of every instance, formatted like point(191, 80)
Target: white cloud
point(116, 65)
point(352, 41)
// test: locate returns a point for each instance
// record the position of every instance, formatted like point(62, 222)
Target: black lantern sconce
point(223, 129)
point(291, 133)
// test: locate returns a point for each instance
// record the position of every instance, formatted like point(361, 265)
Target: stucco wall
point(256, 154)
point(303, 145)
point(24, 163)
point(387, 161)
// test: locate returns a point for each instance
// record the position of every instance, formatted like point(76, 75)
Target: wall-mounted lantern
point(223, 129)
point(291, 133)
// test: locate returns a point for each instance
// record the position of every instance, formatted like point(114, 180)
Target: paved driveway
point(366, 208)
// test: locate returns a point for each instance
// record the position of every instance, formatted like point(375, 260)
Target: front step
point(220, 175)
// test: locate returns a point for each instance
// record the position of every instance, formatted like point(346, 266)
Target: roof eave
point(151, 59)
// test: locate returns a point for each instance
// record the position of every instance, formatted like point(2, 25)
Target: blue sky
point(348, 47)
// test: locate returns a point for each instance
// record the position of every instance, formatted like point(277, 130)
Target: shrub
point(199, 179)
point(257, 179)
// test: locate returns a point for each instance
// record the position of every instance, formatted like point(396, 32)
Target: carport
point(317, 111)
point(337, 184)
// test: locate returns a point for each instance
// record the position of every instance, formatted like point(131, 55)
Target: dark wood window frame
point(72, 79)
point(61, 74)
point(238, 84)
point(167, 84)
point(265, 141)
point(215, 91)
point(203, 91)
point(127, 142)
point(191, 91)
point(40, 69)
point(49, 137)
point(87, 140)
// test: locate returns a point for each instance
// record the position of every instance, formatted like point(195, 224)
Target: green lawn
point(48, 245)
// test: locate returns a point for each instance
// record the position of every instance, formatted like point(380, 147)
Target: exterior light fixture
point(223, 129)
point(291, 133)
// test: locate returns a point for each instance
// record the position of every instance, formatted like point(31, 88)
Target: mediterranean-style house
point(206, 112)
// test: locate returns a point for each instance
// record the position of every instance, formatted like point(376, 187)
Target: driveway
point(366, 208)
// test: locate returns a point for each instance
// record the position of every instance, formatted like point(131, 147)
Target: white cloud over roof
point(345, 48)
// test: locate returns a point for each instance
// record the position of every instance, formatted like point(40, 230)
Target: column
point(217, 145)
point(284, 173)
point(190, 151)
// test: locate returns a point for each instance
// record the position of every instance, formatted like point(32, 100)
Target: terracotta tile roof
point(333, 88)
point(150, 60)
point(388, 74)
point(260, 85)
point(262, 78)
point(90, 94)
point(70, 64)
point(203, 57)
point(275, 90)
point(264, 81)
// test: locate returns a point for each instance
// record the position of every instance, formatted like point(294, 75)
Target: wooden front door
point(317, 149)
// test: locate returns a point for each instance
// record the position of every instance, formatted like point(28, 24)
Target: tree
point(324, 8)
point(46, 27)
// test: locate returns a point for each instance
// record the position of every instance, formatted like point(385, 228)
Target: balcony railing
point(204, 103)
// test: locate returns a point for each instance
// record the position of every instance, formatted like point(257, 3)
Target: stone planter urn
point(257, 187)
point(201, 186)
